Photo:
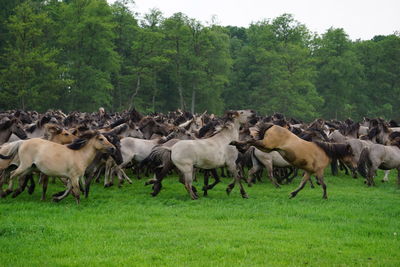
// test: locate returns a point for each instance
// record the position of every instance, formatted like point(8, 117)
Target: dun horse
point(312, 157)
point(63, 161)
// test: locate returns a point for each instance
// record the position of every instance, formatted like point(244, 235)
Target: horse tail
point(12, 150)
point(364, 163)
point(248, 156)
point(158, 158)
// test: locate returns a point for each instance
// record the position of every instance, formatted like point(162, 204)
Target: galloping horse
point(63, 161)
point(209, 153)
point(312, 157)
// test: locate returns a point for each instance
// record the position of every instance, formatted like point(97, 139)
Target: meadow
point(356, 226)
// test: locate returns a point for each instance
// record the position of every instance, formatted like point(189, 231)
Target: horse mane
point(281, 122)
point(228, 124)
point(206, 128)
point(119, 129)
point(394, 135)
point(31, 128)
point(395, 141)
point(373, 132)
point(6, 125)
point(354, 127)
point(117, 123)
point(82, 140)
point(135, 116)
point(335, 150)
point(261, 129)
point(45, 119)
point(393, 123)
point(228, 116)
point(296, 131)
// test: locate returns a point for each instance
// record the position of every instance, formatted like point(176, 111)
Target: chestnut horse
point(312, 157)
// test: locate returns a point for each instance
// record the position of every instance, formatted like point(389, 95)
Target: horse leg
point(206, 177)
point(45, 181)
point(187, 172)
point(370, 176)
point(21, 171)
point(252, 171)
point(61, 195)
point(386, 177)
point(214, 173)
point(237, 179)
point(88, 182)
point(22, 181)
point(121, 172)
point(311, 184)
point(76, 191)
point(303, 182)
point(271, 177)
point(160, 174)
point(320, 177)
point(223, 172)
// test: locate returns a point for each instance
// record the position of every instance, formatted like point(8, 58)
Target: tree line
point(83, 54)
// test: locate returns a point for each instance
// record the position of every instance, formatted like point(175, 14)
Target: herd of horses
point(79, 148)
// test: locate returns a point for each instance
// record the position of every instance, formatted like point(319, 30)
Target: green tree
point(31, 78)
point(339, 72)
point(88, 50)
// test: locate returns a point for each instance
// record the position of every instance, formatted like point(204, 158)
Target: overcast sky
point(361, 19)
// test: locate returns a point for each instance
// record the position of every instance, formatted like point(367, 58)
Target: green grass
point(356, 226)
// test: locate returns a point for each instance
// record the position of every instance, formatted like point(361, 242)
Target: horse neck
point(87, 154)
point(228, 135)
point(5, 135)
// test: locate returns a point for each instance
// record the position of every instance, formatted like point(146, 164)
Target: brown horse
point(312, 157)
point(63, 161)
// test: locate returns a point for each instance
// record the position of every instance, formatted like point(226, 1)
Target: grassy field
point(355, 226)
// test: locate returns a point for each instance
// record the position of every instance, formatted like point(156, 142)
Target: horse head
point(17, 128)
point(57, 134)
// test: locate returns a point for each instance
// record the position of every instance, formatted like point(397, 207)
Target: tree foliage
point(82, 54)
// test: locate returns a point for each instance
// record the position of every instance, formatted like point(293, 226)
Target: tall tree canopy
point(83, 54)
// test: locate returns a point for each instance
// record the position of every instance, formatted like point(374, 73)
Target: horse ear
point(53, 129)
point(235, 114)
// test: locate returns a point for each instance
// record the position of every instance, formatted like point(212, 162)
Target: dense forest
point(83, 54)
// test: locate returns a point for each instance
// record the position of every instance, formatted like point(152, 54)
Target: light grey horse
point(379, 156)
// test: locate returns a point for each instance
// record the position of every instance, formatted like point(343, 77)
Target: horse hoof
point(292, 195)
point(228, 191)
point(250, 184)
point(56, 200)
point(245, 196)
point(31, 190)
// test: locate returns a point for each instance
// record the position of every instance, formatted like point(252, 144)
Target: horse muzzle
point(111, 150)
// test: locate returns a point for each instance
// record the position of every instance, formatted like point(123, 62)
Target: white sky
point(361, 19)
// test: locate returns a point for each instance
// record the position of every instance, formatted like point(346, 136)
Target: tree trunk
point(136, 91)
point(193, 99)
